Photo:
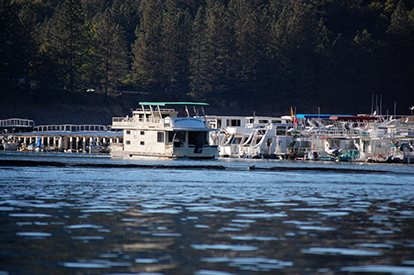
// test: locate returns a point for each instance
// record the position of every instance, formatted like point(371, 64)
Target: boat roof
point(338, 117)
point(323, 116)
point(173, 103)
point(74, 134)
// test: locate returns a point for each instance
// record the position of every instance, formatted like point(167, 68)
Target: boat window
point(235, 122)
point(127, 142)
point(142, 133)
point(219, 123)
point(180, 136)
point(160, 137)
point(269, 142)
point(256, 141)
point(170, 136)
point(237, 140)
point(280, 131)
point(263, 121)
point(128, 132)
point(142, 143)
point(276, 121)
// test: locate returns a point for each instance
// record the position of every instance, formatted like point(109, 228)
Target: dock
point(23, 135)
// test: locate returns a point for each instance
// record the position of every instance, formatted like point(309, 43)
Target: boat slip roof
point(323, 116)
point(338, 117)
point(174, 103)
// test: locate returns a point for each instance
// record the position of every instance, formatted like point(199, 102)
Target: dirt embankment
point(70, 109)
point(94, 108)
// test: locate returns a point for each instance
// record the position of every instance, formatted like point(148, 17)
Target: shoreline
point(253, 168)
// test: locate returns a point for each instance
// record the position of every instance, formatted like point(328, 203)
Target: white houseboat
point(236, 131)
point(272, 141)
point(156, 131)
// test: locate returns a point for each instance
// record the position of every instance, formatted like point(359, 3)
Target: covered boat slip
point(160, 132)
point(67, 141)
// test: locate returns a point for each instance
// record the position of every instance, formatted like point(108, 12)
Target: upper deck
point(149, 117)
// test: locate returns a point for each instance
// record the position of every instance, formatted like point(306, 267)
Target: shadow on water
point(84, 217)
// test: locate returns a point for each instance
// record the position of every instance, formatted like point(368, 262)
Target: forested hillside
point(264, 55)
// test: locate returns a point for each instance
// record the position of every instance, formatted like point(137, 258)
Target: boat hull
point(208, 152)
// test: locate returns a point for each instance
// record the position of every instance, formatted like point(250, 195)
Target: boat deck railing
point(148, 110)
point(16, 122)
point(72, 128)
point(335, 133)
point(132, 119)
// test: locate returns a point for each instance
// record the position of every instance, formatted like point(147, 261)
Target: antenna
point(380, 110)
point(372, 104)
point(395, 108)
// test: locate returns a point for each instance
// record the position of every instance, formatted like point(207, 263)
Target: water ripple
point(340, 251)
point(234, 221)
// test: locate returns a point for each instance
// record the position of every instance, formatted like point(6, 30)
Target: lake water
point(347, 218)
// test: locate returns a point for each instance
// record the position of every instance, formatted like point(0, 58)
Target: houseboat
point(157, 131)
point(236, 133)
point(272, 141)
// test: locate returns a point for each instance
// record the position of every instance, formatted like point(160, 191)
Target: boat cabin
point(157, 131)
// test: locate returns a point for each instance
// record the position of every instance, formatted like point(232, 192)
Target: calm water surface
point(80, 220)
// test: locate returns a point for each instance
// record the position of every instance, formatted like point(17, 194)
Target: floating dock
point(21, 134)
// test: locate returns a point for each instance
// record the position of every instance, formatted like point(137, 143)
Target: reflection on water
point(123, 221)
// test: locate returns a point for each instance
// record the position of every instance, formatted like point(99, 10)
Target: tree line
point(268, 54)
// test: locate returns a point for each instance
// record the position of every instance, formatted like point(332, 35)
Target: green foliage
point(10, 42)
point(110, 53)
point(267, 54)
point(69, 42)
point(147, 62)
point(198, 61)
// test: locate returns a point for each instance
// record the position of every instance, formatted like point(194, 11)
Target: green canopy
point(173, 103)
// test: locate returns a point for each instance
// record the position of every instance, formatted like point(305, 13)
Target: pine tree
point(10, 43)
point(127, 13)
point(401, 54)
point(250, 39)
point(147, 51)
point(300, 39)
point(69, 42)
point(28, 20)
point(401, 25)
point(91, 8)
point(111, 53)
point(175, 51)
point(199, 56)
point(221, 48)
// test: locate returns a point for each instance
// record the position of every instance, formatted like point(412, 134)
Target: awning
point(174, 103)
point(191, 129)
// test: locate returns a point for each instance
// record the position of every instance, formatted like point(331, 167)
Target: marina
point(298, 194)
point(195, 137)
point(23, 135)
point(321, 137)
point(156, 129)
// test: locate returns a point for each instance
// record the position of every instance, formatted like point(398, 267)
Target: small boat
point(156, 131)
point(11, 146)
point(94, 149)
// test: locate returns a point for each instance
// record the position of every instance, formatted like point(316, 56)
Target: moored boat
point(156, 131)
